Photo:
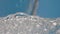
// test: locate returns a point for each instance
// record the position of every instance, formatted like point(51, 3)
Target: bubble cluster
point(27, 24)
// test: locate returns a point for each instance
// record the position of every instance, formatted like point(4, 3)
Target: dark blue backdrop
point(47, 8)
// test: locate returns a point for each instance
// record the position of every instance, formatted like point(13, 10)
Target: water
point(21, 23)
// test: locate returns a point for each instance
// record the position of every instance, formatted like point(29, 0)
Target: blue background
point(46, 9)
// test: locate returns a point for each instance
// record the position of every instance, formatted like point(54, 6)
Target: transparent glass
point(12, 6)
